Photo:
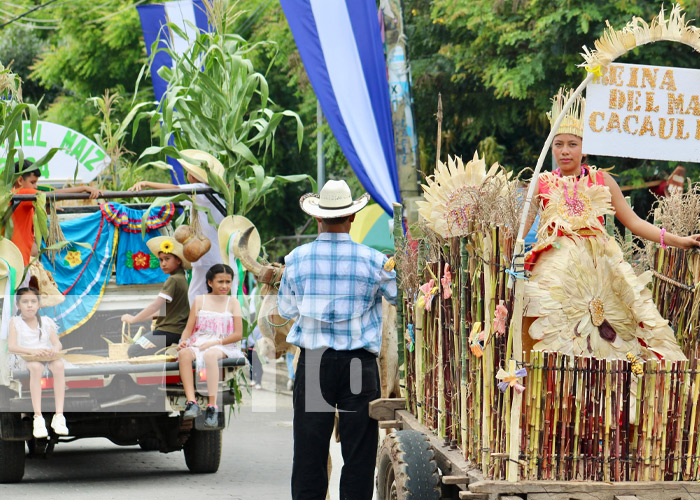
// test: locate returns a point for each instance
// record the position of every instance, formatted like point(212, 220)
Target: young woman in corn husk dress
point(582, 298)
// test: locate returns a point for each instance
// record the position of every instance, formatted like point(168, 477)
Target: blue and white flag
point(182, 13)
point(341, 47)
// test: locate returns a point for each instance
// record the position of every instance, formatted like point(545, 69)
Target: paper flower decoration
point(166, 246)
point(510, 379)
point(446, 282)
point(429, 290)
point(499, 319)
point(476, 340)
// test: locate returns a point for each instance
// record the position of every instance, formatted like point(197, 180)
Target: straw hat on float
point(235, 225)
point(10, 258)
point(334, 201)
point(168, 244)
point(195, 168)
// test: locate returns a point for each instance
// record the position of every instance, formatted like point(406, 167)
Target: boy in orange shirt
point(23, 216)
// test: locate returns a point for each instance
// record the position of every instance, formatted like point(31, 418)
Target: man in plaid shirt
point(333, 288)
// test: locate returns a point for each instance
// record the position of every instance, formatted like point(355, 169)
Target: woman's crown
point(573, 121)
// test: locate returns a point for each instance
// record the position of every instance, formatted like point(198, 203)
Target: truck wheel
point(406, 469)
point(203, 451)
point(11, 461)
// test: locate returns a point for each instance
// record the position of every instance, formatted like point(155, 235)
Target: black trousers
point(327, 379)
point(256, 369)
point(152, 343)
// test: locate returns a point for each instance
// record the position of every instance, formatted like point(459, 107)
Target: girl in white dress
point(31, 334)
point(213, 332)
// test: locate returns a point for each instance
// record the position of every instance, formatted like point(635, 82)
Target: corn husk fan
point(454, 192)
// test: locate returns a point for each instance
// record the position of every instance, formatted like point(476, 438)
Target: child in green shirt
point(173, 296)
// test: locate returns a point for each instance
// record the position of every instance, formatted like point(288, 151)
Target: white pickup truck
point(128, 403)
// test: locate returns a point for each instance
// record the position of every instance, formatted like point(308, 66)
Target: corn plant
point(217, 102)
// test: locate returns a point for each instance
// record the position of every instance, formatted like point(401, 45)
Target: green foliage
point(19, 47)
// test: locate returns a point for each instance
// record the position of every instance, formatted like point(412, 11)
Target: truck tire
point(11, 461)
point(203, 451)
point(406, 468)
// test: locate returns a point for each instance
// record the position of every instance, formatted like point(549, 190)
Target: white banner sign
point(77, 152)
point(638, 111)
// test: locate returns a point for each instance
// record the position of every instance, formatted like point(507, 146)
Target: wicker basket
point(119, 351)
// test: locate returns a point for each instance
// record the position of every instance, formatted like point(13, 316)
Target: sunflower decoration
point(453, 193)
point(592, 304)
point(573, 205)
point(166, 246)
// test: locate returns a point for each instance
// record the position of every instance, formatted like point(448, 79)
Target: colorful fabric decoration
point(135, 263)
point(510, 379)
point(446, 282)
point(82, 284)
point(410, 338)
point(476, 340)
point(499, 319)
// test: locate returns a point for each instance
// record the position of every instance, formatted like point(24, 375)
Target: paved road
point(256, 463)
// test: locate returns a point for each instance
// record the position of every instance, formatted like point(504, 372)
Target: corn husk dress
point(586, 299)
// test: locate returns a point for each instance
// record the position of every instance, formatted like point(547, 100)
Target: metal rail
point(108, 195)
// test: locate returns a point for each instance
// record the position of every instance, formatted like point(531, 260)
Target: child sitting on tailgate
point(173, 296)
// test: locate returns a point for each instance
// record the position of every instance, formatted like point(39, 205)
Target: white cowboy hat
point(168, 244)
point(10, 258)
point(237, 224)
point(198, 172)
point(335, 200)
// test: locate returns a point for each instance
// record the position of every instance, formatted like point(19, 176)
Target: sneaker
point(39, 428)
point(211, 418)
point(192, 410)
point(290, 384)
point(258, 386)
point(58, 424)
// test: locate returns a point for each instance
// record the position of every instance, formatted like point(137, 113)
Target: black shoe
point(211, 419)
point(192, 410)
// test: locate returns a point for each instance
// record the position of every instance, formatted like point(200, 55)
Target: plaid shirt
point(333, 288)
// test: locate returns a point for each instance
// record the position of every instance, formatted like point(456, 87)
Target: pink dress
point(213, 325)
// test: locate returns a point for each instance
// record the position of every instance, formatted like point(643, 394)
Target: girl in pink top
point(213, 332)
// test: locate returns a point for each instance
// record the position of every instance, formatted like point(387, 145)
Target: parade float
point(481, 417)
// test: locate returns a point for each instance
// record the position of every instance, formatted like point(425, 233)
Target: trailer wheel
point(203, 451)
point(406, 469)
point(11, 461)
